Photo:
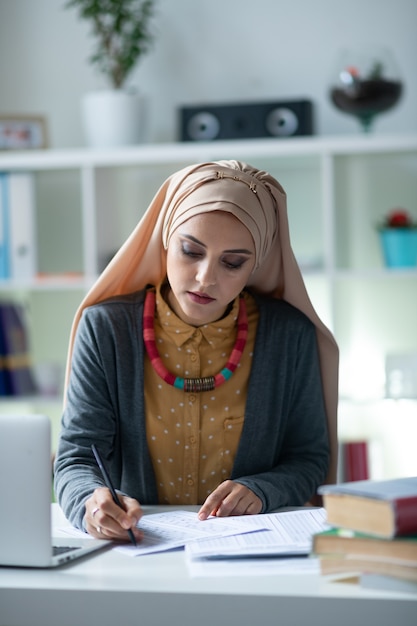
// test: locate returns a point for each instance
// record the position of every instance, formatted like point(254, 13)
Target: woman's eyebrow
point(238, 251)
point(234, 251)
point(194, 239)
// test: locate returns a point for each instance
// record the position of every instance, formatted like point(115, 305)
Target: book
point(4, 383)
point(353, 563)
point(354, 460)
point(384, 582)
point(18, 377)
point(4, 228)
point(342, 542)
point(22, 225)
point(385, 508)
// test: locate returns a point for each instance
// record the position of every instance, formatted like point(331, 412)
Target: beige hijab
point(258, 201)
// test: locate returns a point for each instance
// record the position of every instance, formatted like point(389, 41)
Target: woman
point(197, 363)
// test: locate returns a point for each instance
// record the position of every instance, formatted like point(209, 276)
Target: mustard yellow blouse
point(193, 437)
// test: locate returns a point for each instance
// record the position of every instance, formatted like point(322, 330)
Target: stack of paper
point(217, 545)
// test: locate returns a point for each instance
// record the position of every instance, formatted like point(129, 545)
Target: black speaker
point(243, 121)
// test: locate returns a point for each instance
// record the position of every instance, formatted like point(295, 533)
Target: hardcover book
point(387, 583)
point(4, 382)
point(354, 460)
point(386, 508)
point(353, 563)
point(342, 542)
point(17, 373)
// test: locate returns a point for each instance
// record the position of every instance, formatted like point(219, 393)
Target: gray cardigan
point(283, 452)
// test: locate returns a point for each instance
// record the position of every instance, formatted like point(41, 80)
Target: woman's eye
point(232, 265)
point(193, 252)
point(190, 252)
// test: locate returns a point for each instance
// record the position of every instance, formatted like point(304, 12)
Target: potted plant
point(398, 234)
point(123, 33)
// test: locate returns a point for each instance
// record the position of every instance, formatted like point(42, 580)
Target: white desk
point(115, 590)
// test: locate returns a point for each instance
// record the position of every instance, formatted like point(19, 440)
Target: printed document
point(173, 529)
point(287, 533)
point(280, 534)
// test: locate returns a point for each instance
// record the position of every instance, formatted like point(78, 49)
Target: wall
point(216, 51)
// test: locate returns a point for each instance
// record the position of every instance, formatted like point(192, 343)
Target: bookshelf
point(338, 189)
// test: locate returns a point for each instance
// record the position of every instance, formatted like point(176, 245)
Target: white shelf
point(151, 154)
point(337, 187)
point(376, 274)
point(83, 283)
point(48, 283)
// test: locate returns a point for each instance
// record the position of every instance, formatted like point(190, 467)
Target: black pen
point(109, 484)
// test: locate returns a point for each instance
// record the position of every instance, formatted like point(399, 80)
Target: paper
point(287, 534)
point(253, 567)
point(173, 529)
point(279, 534)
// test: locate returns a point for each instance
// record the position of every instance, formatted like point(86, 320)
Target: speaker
point(243, 121)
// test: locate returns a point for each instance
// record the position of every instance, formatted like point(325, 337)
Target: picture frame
point(23, 132)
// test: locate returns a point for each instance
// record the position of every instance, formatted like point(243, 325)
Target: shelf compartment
point(366, 188)
point(372, 319)
point(59, 222)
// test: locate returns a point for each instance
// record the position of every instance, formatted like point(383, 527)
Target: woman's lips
point(200, 298)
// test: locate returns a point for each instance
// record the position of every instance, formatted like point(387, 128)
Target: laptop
point(25, 488)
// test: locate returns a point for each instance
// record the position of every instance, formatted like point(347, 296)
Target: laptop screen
point(25, 476)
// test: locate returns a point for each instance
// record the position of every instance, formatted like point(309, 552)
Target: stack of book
point(16, 377)
point(374, 529)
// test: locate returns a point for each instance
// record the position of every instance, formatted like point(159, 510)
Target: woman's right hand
point(104, 519)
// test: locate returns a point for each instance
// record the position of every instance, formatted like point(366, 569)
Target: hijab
point(259, 202)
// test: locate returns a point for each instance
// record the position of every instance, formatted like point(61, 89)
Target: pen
point(109, 484)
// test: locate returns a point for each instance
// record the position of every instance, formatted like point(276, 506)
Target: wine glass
point(366, 82)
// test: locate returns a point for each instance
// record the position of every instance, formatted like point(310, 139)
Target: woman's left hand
point(230, 498)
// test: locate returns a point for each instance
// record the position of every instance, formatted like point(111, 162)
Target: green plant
point(123, 33)
point(399, 218)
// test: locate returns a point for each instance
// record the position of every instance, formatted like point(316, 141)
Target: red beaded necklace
point(206, 383)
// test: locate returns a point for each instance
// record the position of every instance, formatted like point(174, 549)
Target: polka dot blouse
point(193, 437)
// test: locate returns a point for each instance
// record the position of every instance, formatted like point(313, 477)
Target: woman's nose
point(206, 274)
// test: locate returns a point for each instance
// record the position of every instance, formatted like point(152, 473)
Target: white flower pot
point(112, 118)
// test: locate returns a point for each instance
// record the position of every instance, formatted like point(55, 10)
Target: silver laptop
point(26, 488)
